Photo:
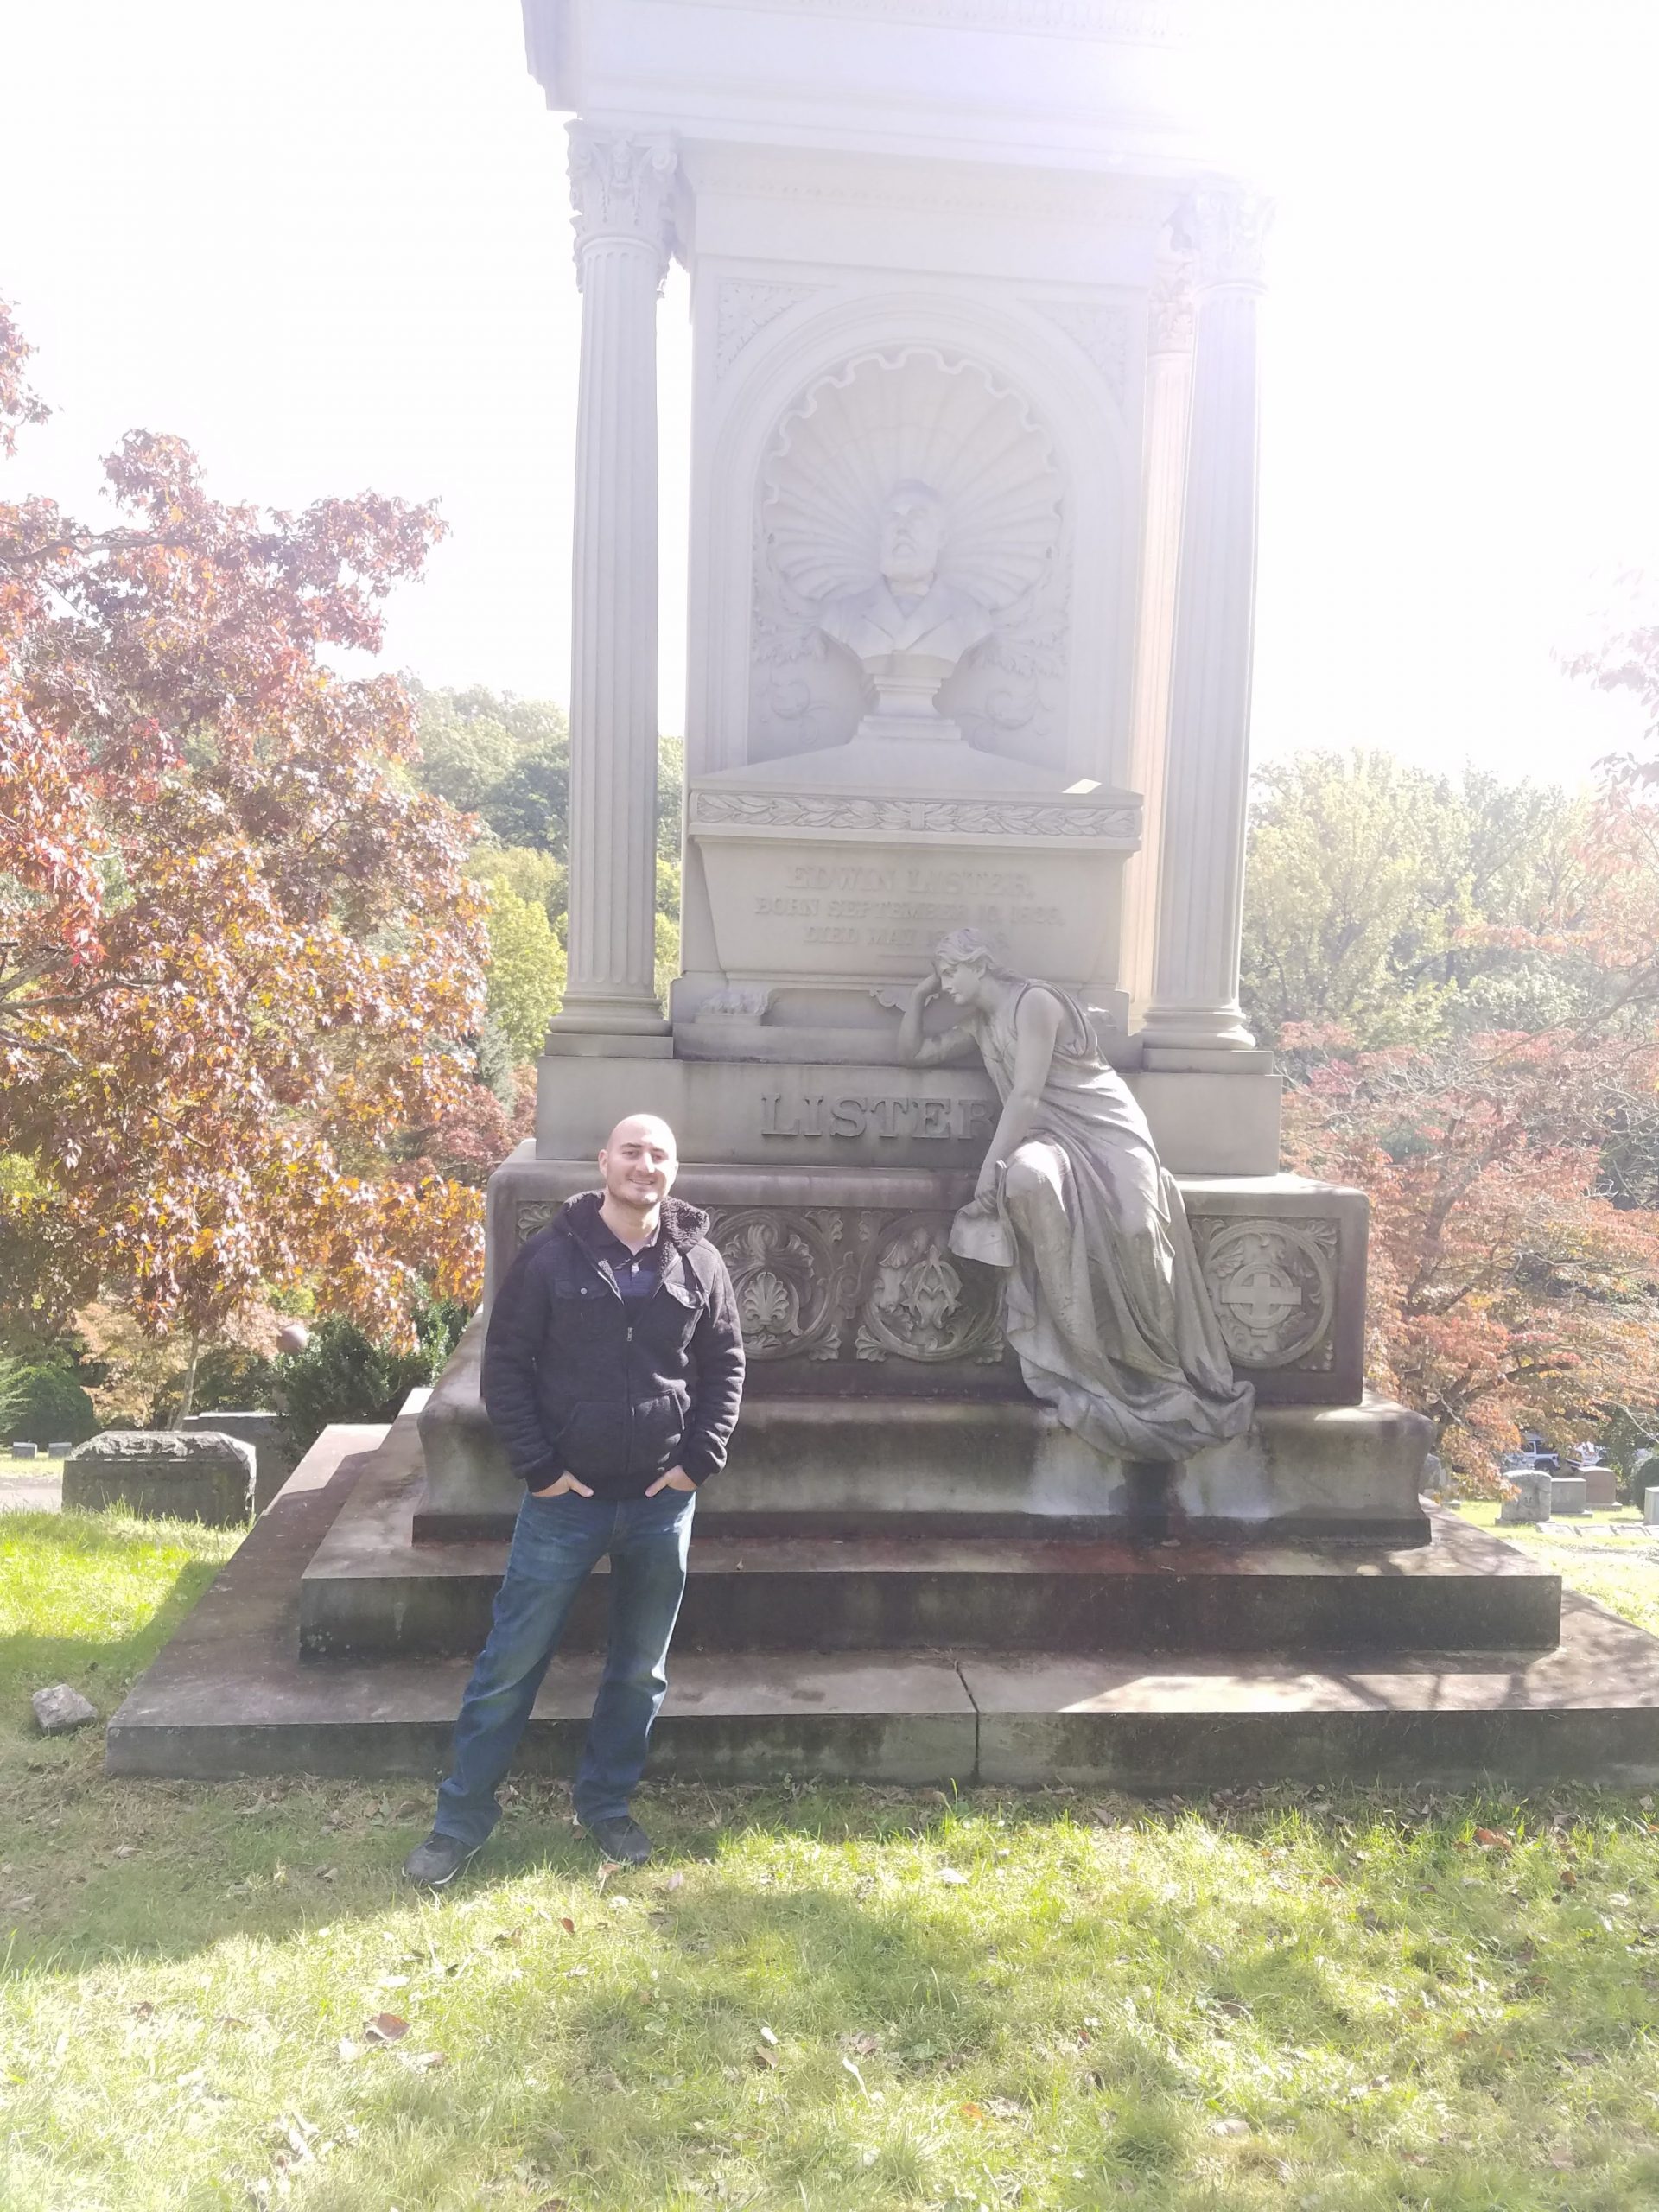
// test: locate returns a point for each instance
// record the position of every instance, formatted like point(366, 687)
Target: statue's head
point(913, 537)
point(964, 959)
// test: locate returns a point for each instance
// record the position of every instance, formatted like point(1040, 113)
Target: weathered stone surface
point(1650, 1508)
point(1600, 1488)
point(230, 1695)
point(845, 1465)
point(163, 1473)
point(1534, 1499)
point(60, 1709)
point(274, 1455)
point(23, 1450)
point(1566, 1494)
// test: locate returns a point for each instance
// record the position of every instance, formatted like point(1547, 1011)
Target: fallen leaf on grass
point(1229, 2128)
point(765, 2057)
point(767, 2036)
point(976, 2113)
point(231, 2020)
point(408, 1808)
point(862, 2044)
point(1329, 1882)
point(954, 1876)
point(425, 2061)
point(676, 1881)
point(348, 2050)
point(385, 2027)
point(1494, 1839)
point(511, 1938)
point(145, 2010)
point(1569, 1880)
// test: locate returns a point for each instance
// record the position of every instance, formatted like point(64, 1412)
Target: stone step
point(230, 1695)
point(370, 1589)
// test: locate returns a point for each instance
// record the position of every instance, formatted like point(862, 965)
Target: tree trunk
point(187, 1404)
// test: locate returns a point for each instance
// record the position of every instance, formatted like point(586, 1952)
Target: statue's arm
point(1036, 1029)
point(920, 1051)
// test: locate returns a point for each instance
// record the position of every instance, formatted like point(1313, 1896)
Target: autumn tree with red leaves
point(240, 960)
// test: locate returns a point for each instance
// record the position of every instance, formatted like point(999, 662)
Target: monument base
point(230, 1695)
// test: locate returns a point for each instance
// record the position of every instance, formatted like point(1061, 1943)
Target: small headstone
point(162, 1473)
point(61, 1449)
point(60, 1709)
point(273, 1454)
point(1650, 1508)
point(22, 1451)
point(1566, 1493)
point(1533, 1498)
point(1600, 1487)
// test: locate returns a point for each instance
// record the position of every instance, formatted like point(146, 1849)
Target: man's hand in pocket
point(565, 1484)
point(676, 1478)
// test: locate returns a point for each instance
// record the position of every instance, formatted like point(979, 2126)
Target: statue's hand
point(985, 1189)
point(929, 988)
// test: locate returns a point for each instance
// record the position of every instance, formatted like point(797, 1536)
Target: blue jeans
point(555, 1545)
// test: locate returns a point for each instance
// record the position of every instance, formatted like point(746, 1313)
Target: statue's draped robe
point(1106, 1307)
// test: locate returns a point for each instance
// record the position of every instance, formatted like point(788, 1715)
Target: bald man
point(613, 1373)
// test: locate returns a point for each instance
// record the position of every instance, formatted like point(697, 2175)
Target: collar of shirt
point(631, 1269)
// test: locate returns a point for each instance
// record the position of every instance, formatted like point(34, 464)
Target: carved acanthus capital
point(1172, 309)
point(622, 187)
point(1225, 225)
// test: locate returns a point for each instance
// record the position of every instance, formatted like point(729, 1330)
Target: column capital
point(1225, 225)
point(622, 188)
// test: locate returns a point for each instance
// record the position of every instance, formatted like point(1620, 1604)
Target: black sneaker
point(435, 1862)
point(621, 1839)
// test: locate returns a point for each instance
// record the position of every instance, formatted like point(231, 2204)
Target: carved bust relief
point(909, 561)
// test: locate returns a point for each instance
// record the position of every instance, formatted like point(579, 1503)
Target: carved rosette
point(785, 1276)
point(531, 1214)
point(920, 1302)
point(744, 310)
point(1273, 1286)
point(1102, 332)
point(622, 191)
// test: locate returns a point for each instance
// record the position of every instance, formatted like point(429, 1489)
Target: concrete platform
point(372, 1590)
point(230, 1695)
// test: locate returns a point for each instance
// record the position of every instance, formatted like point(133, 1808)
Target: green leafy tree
point(526, 972)
point(1406, 909)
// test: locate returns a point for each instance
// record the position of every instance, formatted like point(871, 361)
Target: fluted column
point(1170, 330)
point(1195, 994)
point(621, 187)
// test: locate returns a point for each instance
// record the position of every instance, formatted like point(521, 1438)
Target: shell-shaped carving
point(911, 414)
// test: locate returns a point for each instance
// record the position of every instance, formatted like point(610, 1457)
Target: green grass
point(1618, 1570)
point(828, 1998)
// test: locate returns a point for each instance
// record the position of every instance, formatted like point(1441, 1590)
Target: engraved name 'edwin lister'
point(888, 1114)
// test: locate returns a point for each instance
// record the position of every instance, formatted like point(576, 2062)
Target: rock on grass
point(60, 1708)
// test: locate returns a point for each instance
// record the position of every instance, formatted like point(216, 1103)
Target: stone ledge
point(988, 1464)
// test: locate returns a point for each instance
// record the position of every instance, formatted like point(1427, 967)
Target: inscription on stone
point(884, 1114)
point(902, 907)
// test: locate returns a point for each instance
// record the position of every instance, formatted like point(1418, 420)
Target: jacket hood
point(684, 1225)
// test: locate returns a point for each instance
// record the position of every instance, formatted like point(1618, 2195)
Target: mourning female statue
point(1105, 1307)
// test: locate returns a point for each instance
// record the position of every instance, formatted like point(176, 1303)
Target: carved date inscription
point(885, 1114)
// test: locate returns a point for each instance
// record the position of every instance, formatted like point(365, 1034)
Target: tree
point(240, 958)
point(507, 761)
point(1405, 907)
point(1504, 1290)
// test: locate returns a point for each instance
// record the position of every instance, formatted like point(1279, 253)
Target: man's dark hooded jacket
point(580, 1381)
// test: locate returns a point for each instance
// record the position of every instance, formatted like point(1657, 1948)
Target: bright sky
point(329, 242)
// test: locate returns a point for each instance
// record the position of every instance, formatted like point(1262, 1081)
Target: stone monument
point(1051, 1368)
